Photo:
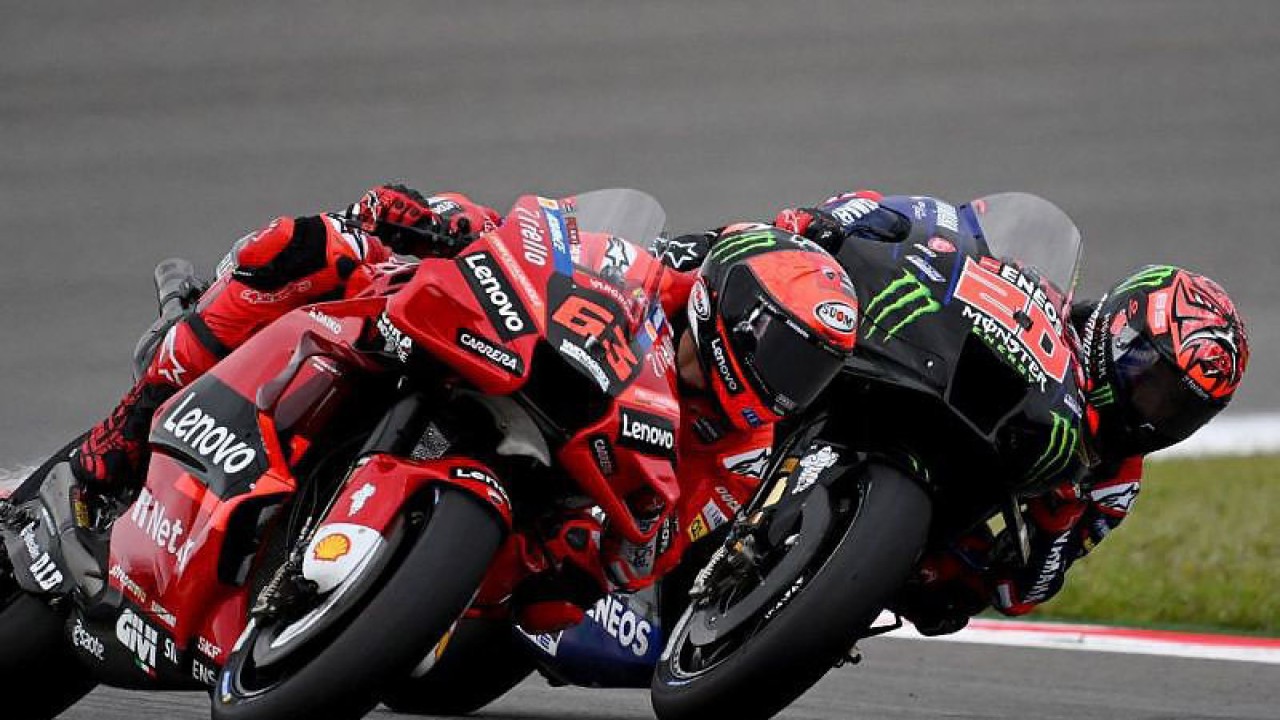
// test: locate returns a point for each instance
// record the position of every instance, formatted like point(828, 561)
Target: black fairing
point(922, 379)
point(213, 430)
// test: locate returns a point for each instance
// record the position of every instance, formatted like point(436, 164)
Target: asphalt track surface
point(136, 130)
point(901, 680)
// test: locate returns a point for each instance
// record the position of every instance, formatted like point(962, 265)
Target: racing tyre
point(40, 675)
point(412, 603)
point(482, 660)
point(780, 650)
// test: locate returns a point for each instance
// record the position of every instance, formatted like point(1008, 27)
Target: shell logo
point(332, 547)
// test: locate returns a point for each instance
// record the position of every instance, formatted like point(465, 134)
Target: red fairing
point(167, 548)
point(593, 298)
point(377, 490)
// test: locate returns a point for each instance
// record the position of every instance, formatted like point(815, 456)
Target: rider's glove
point(461, 218)
point(815, 224)
point(392, 205)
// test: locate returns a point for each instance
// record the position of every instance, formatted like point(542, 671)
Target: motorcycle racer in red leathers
point(744, 318)
point(1162, 352)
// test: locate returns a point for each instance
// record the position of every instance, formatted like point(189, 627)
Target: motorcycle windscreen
point(1031, 232)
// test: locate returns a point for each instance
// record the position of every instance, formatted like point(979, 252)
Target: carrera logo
point(723, 368)
point(648, 434)
point(496, 355)
point(838, 316)
point(496, 296)
point(208, 438)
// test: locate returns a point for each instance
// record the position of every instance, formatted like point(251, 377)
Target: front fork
point(403, 458)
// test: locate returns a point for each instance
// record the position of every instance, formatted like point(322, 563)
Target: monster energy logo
point(732, 248)
point(1153, 276)
point(906, 295)
point(1062, 444)
point(1103, 396)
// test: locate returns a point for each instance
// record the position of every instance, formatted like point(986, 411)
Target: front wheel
point(481, 661)
point(752, 664)
point(337, 674)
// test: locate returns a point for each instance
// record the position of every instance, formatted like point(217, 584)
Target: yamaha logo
point(838, 316)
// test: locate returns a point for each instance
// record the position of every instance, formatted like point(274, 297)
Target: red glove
point(393, 204)
point(462, 218)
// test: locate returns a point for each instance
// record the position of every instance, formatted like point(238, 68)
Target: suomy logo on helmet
point(838, 316)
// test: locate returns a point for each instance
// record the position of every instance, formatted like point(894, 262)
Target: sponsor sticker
point(698, 529)
point(714, 515)
point(152, 516)
point(812, 466)
point(839, 316)
point(649, 434)
point(491, 352)
point(360, 497)
point(941, 244)
point(630, 630)
point(139, 638)
point(699, 302)
point(209, 437)
point(603, 454)
point(332, 547)
point(496, 295)
point(86, 641)
point(395, 341)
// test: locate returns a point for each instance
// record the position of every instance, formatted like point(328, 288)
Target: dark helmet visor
point(788, 365)
point(1163, 407)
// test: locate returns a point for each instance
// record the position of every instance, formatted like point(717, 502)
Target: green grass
point(1201, 549)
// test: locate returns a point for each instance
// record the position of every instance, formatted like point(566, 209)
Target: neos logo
point(498, 298)
point(208, 438)
point(622, 624)
point(838, 316)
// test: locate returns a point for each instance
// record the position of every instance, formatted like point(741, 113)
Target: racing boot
point(111, 460)
point(557, 598)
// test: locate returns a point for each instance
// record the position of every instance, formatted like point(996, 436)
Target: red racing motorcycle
point(325, 503)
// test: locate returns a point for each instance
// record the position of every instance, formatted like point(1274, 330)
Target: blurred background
point(137, 130)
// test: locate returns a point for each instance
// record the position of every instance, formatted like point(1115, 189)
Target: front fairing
point(983, 338)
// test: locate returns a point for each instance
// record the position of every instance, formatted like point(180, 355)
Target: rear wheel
point(482, 660)
point(800, 618)
point(415, 598)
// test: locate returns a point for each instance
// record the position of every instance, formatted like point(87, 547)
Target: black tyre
point(787, 648)
point(337, 675)
point(481, 662)
point(40, 675)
